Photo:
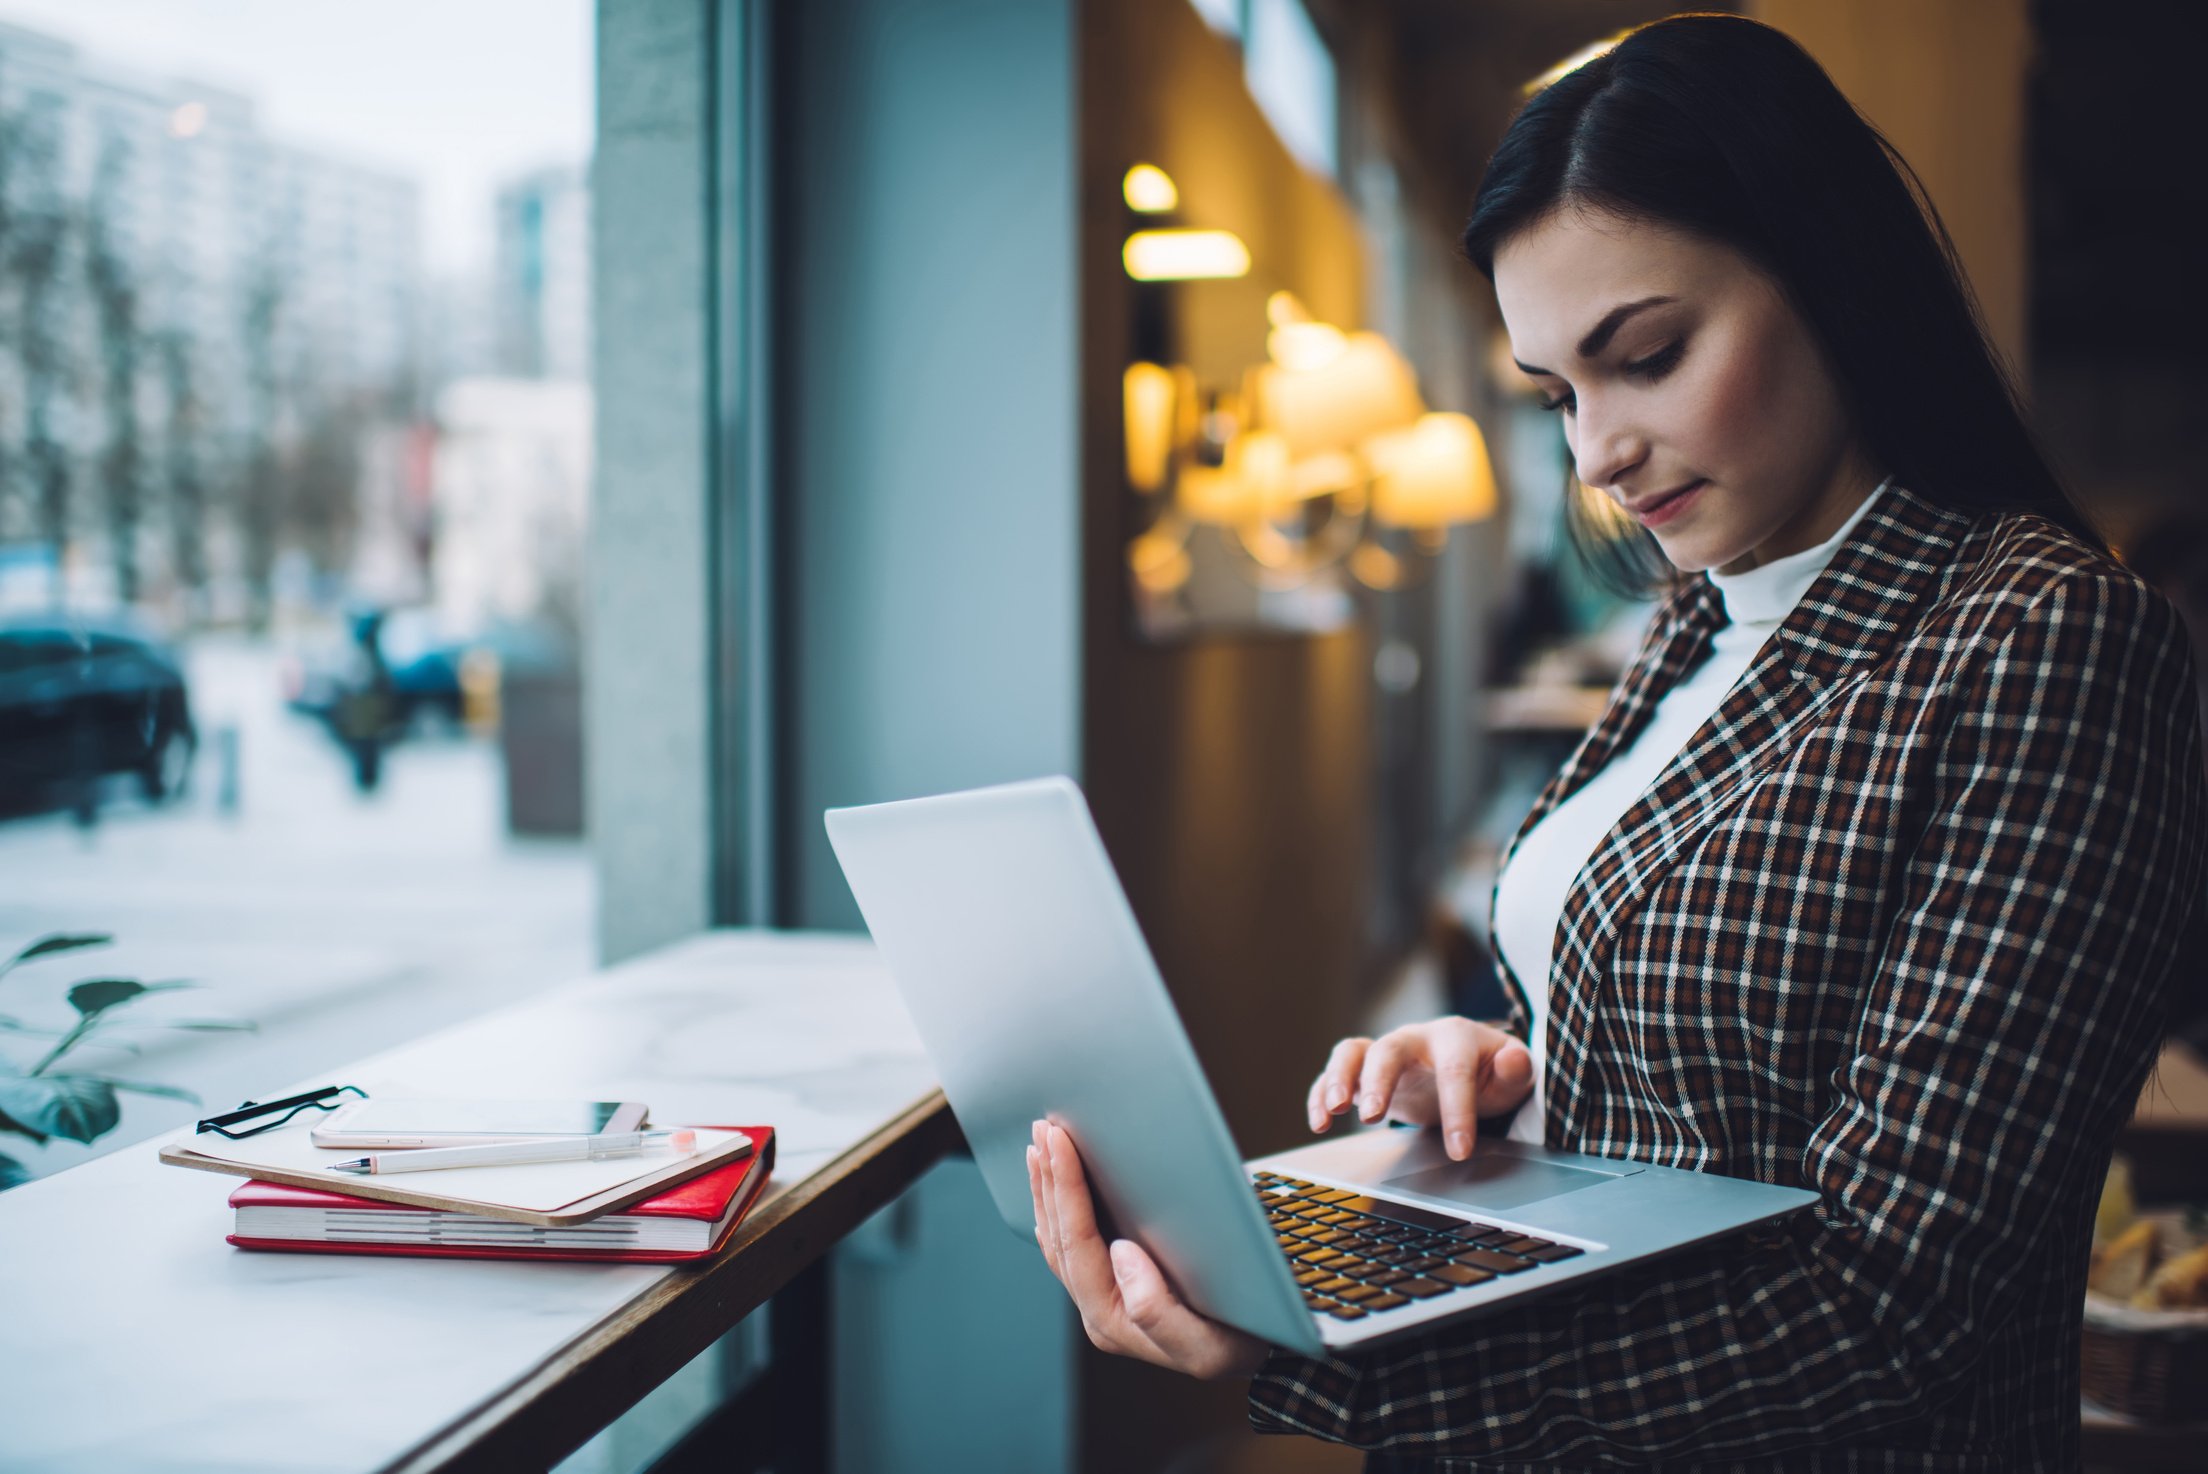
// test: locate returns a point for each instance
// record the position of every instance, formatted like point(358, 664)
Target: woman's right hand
point(1446, 1073)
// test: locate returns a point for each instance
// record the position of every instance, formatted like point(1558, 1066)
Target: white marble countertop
point(133, 1337)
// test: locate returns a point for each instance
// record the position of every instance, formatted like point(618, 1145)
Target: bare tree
point(322, 512)
point(260, 492)
point(184, 455)
point(114, 281)
point(35, 234)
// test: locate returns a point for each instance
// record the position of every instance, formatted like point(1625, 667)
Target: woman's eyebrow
point(1599, 336)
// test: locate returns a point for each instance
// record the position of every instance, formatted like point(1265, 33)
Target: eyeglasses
point(325, 1099)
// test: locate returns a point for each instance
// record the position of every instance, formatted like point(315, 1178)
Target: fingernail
point(1369, 1106)
point(1318, 1120)
point(1120, 1250)
point(1337, 1096)
point(1460, 1145)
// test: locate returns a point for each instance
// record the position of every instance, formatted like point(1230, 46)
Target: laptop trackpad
point(1498, 1181)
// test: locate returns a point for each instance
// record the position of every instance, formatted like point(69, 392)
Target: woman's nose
point(1605, 449)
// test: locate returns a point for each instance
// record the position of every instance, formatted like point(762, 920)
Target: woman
point(1868, 880)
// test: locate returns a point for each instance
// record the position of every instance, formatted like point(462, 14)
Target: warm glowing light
point(1376, 567)
point(1362, 390)
point(1213, 495)
point(1305, 346)
point(1185, 255)
point(1261, 459)
point(1149, 190)
point(1159, 561)
point(1282, 308)
point(1147, 396)
point(1329, 473)
point(188, 120)
point(1432, 475)
point(1574, 62)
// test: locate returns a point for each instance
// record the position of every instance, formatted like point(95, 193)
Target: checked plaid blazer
point(1898, 926)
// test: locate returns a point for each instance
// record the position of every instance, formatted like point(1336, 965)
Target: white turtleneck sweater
point(1530, 899)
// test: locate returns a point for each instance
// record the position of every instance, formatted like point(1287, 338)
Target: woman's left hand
point(1126, 1306)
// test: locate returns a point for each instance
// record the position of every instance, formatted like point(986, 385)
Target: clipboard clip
point(325, 1099)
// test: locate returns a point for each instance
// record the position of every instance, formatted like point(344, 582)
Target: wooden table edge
point(558, 1405)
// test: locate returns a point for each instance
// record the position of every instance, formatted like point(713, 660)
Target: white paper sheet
point(540, 1187)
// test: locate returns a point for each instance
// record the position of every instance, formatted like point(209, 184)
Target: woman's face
point(1692, 392)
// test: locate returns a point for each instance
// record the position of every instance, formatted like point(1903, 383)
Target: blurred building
point(541, 274)
point(510, 482)
point(210, 214)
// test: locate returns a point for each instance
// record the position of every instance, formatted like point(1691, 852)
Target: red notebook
point(688, 1221)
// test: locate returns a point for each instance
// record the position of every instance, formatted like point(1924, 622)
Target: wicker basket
point(2148, 1364)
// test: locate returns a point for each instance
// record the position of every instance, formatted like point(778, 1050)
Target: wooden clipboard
point(399, 1188)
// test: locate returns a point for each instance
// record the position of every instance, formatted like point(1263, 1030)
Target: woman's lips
point(1671, 506)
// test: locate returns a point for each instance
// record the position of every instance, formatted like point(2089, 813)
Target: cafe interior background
point(882, 398)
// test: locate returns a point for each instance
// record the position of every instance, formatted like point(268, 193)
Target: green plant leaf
point(12, 1173)
point(47, 946)
point(61, 1105)
point(95, 995)
point(9, 1123)
point(140, 1087)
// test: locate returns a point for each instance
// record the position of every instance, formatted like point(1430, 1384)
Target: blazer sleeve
point(2014, 1011)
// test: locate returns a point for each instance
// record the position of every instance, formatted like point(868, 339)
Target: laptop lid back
point(1019, 959)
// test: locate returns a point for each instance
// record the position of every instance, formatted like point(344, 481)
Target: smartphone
point(377, 1123)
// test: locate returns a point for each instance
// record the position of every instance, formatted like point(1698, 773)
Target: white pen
point(519, 1153)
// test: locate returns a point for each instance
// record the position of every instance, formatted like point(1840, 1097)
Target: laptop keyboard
point(1355, 1256)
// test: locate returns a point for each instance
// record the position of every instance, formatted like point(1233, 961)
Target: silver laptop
point(1019, 959)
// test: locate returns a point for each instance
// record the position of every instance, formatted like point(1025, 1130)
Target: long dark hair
point(1724, 127)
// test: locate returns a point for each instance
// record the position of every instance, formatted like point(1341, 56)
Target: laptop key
point(1521, 1246)
point(1458, 1274)
point(1386, 1277)
point(1334, 1285)
point(1399, 1213)
point(1332, 1195)
point(1490, 1260)
point(1386, 1301)
point(1421, 1265)
point(1325, 1258)
point(1422, 1289)
point(1356, 1294)
point(1328, 1236)
point(1345, 1312)
point(1553, 1253)
point(1314, 1254)
point(1312, 1276)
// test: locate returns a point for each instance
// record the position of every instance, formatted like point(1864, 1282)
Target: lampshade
point(1148, 392)
point(1431, 475)
point(1256, 480)
point(1356, 393)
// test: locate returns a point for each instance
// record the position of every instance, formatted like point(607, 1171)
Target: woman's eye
point(1651, 368)
point(1657, 364)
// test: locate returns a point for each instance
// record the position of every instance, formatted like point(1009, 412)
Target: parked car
point(83, 699)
